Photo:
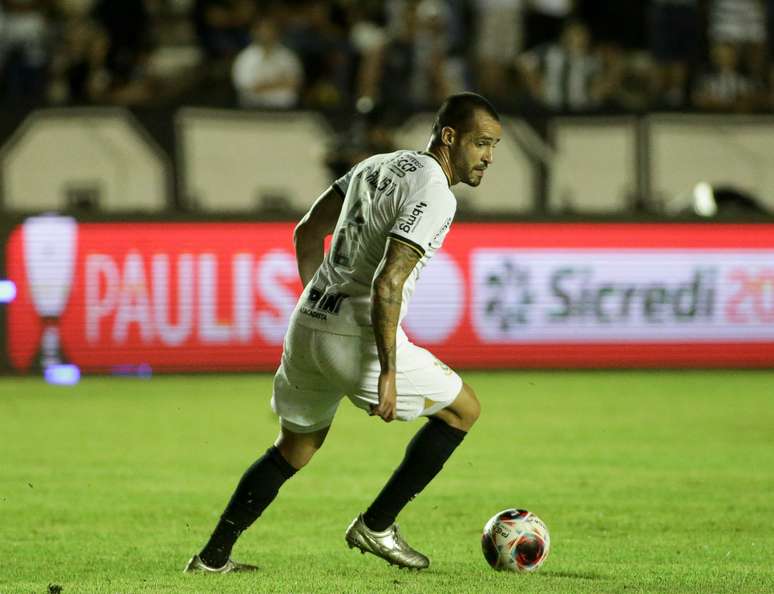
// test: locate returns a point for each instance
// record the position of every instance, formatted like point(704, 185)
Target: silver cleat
point(196, 565)
point(389, 545)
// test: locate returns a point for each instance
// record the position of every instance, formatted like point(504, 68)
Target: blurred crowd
point(533, 56)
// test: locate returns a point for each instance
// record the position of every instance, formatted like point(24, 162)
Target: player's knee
point(297, 455)
point(464, 411)
point(298, 448)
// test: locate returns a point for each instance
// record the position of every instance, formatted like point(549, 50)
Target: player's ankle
point(213, 559)
point(376, 521)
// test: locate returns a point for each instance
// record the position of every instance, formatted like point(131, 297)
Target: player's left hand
point(388, 397)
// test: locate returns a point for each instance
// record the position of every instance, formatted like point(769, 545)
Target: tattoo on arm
point(387, 296)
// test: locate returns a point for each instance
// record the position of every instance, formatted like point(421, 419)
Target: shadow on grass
point(576, 575)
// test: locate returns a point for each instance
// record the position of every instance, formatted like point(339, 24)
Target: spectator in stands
point(316, 32)
point(78, 74)
point(618, 29)
point(742, 24)
point(367, 135)
point(266, 73)
point(622, 23)
point(398, 61)
point(367, 38)
point(127, 27)
point(725, 87)
point(223, 26)
point(24, 31)
point(565, 75)
point(437, 73)
point(418, 56)
point(674, 37)
point(499, 38)
point(633, 87)
point(545, 19)
point(770, 50)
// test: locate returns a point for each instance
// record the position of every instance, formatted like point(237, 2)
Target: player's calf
point(256, 490)
point(425, 456)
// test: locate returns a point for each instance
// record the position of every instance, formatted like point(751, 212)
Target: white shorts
point(319, 368)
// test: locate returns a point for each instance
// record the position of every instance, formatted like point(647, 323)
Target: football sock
point(426, 454)
point(256, 490)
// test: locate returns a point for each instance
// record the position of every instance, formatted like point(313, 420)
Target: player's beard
point(475, 179)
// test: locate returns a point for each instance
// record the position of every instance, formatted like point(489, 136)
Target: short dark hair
point(457, 112)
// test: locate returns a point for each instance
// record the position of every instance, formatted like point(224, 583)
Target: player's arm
point(310, 233)
point(386, 297)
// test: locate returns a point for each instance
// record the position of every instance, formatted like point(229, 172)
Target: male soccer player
point(389, 214)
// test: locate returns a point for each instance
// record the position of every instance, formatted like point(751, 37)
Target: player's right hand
point(388, 397)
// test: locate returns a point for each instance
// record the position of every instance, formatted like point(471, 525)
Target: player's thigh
point(424, 384)
point(303, 394)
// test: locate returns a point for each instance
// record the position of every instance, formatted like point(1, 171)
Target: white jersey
point(402, 195)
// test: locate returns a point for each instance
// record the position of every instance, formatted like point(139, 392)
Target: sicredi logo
point(588, 295)
point(577, 293)
point(508, 294)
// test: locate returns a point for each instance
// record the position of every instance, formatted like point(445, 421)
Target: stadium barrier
point(217, 296)
point(113, 161)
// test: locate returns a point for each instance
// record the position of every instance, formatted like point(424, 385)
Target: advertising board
point(217, 296)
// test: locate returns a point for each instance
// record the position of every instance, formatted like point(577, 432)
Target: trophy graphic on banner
point(50, 243)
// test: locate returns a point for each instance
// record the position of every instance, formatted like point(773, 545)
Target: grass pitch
point(649, 482)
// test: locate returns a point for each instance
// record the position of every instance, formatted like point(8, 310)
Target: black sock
point(425, 455)
point(256, 490)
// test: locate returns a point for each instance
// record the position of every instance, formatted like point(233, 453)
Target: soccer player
point(389, 214)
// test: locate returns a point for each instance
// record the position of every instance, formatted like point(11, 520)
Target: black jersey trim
point(415, 246)
point(434, 158)
point(339, 191)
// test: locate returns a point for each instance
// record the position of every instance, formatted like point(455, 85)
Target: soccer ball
point(515, 540)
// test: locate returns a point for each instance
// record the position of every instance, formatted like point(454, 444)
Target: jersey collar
point(432, 156)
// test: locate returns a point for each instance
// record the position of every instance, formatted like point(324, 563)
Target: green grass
point(649, 482)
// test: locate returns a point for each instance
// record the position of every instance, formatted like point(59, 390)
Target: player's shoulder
point(401, 162)
point(409, 170)
point(420, 169)
point(383, 159)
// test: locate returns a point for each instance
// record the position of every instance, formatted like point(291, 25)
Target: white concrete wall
point(595, 165)
point(720, 150)
point(56, 150)
point(231, 160)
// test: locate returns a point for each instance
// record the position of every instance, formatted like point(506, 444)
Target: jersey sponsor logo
point(413, 218)
point(442, 231)
point(313, 314)
point(405, 164)
point(324, 302)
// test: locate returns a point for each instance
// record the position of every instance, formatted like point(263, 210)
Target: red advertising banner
point(171, 296)
point(217, 296)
